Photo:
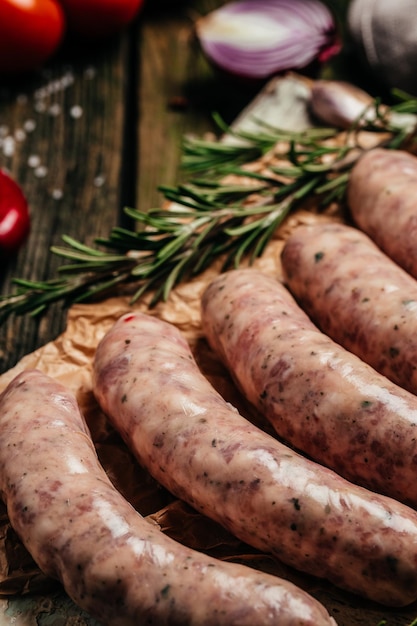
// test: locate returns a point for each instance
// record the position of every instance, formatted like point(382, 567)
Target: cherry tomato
point(94, 19)
point(30, 32)
point(14, 216)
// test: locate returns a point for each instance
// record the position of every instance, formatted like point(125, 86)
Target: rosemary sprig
point(214, 216)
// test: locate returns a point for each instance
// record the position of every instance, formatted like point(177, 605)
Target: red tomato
point(93, 19)
point(14, 216)
point(30, 32)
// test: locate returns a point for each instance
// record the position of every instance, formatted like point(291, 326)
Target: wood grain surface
point(95, 130)
point(98, 129)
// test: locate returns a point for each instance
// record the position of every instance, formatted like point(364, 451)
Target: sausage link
point(112, 562)
point(318, 396)
point(357, 295)
point(199, 447)
point(381, 195)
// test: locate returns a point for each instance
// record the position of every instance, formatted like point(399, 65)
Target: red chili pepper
point(14, 216)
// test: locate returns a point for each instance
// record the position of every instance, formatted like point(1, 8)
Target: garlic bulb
point(384, 33)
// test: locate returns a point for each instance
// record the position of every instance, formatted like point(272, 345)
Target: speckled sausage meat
point(111, 561)
point(382, 196)
point(318, 396)
point(357, 295)
point(202, 450)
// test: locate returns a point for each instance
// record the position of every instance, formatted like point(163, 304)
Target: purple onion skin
point(316, 40)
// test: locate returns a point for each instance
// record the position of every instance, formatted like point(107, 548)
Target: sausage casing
point(318, 396)
point(199, 447)
point(112, 562)
point(381, 194)
point(357, 295)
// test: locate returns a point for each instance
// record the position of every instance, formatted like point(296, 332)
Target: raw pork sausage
point(357, 295)
point(199, 447)
point(382, 197)
point(112, 562)
point(318, 396)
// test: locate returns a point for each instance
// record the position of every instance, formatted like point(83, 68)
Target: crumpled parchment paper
point(69, 359)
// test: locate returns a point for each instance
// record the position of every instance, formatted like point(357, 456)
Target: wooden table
point(99, 129)
point(93, 131)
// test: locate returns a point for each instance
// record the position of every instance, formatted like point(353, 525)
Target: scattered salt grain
point(41, 171)
point(19, 134)
point(54, 109)
point(90, 72)
point(76, 111)
point(8, 146)
point(99, 180)
point(53, 87)
point(29, 125)
point(34, 160)
point(57, 194)
point(40, 106)
point(41, 93)
point(67, 80)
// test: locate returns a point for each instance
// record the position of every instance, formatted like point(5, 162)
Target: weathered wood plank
point(125, 143)
point(178, 91)
point(108, 130)
point(69, 166)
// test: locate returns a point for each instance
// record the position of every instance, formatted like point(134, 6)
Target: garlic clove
point(340, 104)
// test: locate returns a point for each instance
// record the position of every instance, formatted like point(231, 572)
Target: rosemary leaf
point(207, 218)
point(98, 261)
point(173, 277)
point(77, 245)
point(244, 246)
point(175, 244)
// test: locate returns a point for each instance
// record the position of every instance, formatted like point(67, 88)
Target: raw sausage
point(318, 396)
point(382, 197)
point(201, 449)
point(357, 295)
point(115, 564)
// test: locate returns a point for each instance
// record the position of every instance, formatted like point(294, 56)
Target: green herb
point(210, 218)
point(165, 591)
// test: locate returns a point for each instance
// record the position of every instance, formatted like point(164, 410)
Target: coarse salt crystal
point(76, 111)
point(40, 93)
point(19, 134)
point(29, 125)
point(57, 194)
point(40, 106)
point(90, 72)
point(54, 109)
point(99, 180)
point(34, 160)
point(8, 146)
point(67, 80)
point(41, 171)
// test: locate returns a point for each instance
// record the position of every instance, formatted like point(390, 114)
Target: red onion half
point(260, 38)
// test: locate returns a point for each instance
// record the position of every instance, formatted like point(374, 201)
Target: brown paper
point(69, 360)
